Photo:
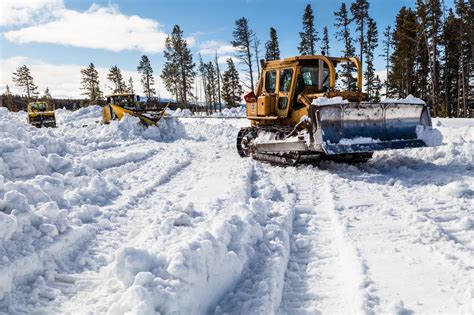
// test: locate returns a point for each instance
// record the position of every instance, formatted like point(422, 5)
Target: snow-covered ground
point(118, 219)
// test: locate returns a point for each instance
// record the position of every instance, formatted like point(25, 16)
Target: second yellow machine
point(128, 103)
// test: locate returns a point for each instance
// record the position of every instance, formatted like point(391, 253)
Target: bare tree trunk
point(463, 82)
point(218, 84)
point(249, 58)
point(458, 107)
point(256, 43)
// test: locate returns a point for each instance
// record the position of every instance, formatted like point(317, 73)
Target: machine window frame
point(285, 87)
point(268, 79)
point(281, 83)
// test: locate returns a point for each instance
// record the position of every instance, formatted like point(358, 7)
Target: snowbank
point(226, 112)
point(410, 99)
point(169, 219)
point(181, 112)
point(52, 184)
point(231, 112)
point(322, 101)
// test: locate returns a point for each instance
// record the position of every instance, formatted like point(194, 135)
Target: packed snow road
point(117, 219)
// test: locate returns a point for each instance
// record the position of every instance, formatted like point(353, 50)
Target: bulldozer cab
point(283, 81)
point(37, 107)
point(125, 100)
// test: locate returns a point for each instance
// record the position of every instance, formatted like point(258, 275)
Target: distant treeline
point(17, 103)
point(428, 53)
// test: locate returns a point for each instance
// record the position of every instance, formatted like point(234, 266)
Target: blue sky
point(42, 35)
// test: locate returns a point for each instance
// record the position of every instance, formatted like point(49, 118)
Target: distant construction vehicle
point(40, 114)
point(128, 103)
point(294, 119)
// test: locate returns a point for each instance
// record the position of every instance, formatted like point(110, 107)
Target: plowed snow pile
point(119, 219)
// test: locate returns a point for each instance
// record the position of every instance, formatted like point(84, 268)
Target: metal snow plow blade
point(366, 127)
point(147, 117)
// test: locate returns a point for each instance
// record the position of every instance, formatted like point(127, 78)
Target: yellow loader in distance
point(128, 103)
point(41, 115)
point(293, 118)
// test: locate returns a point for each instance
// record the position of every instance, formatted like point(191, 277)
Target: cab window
point(285, 79)
point(311, 77)
point(285, 86)
point(270, 81)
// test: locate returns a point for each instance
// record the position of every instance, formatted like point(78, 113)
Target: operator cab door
point(285, 91)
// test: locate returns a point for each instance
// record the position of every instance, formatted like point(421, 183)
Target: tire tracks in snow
point(326, 273)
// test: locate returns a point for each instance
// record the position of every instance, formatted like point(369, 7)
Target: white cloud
point(98, 27)
point(191, 41)
point(210, 47)
point(64, 80)
point(15, 12)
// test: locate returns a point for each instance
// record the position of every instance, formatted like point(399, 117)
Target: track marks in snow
point(259, 289)
point(325, 271)
point(193, 215)
point(407, 234)
point(67, 275)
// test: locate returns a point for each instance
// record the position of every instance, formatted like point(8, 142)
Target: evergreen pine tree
point(377, 88)
point(325, 41)
point(429, 21)
point(343, 34)
point(218, 77)
point(47, 97)
point(211, 84)
point(178, 72)
point(465, 12)
point(309, 35)
point(202, 72)
point(369, 50)
point(387, 43)
point(422, 63)
point(23, 79)
point(451, 40)
point(402, 61)
point(130, 88)
point(360, 14)
point(9, 96)
point(147, 79)
point(115, 76)
point(231, 88)
point(272, 46)
point(243, 37)
point(90, 83)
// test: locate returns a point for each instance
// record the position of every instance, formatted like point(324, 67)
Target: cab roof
point(121, 94)
point(295, 60)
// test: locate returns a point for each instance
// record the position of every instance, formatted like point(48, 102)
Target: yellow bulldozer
point(298, 113)
point(128, 103)
point(41, 114)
